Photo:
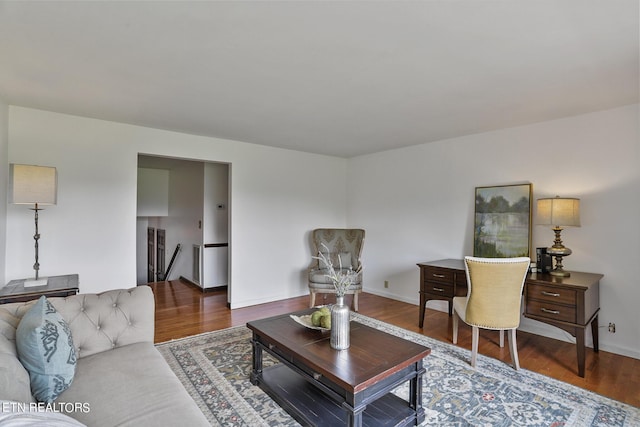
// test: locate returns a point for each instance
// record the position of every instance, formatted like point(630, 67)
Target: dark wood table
point(320, 386)
point(57, 286)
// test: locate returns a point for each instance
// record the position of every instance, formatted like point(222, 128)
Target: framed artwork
point(502, 221)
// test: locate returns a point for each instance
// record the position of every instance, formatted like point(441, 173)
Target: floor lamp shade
point(30, 185)
point(37, 186)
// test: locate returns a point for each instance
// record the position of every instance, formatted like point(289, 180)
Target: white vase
point(340, 325)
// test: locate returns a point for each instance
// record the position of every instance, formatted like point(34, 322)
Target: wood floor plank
point(183, 310)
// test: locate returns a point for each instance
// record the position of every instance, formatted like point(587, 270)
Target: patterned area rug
point(214, 368)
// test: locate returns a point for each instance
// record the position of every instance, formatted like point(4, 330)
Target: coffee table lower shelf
point(309, 406)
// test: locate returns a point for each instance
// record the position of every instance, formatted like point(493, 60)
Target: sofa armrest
point(109, 319)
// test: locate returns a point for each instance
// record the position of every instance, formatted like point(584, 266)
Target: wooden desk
point(569, 303)
point(441, 280)
point(57, 286)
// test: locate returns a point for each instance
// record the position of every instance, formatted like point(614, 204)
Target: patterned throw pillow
point(45, 349)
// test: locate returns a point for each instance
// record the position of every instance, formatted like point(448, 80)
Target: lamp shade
point(557, 211)
point(32, 184)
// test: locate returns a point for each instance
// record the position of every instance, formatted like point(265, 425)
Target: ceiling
point(341, 78)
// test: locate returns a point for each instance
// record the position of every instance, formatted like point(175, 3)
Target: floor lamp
point(37, 186)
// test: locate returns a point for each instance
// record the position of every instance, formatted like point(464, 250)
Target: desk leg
point(423, 302)
point(580, 333)
point(594, 333)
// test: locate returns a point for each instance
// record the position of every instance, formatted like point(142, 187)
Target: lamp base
point(559, 273)
point(41, 281)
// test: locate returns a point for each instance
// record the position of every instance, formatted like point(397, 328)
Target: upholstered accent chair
point(341, 246)
point(493, 300)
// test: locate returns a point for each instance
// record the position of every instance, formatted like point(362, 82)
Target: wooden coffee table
point(321, 386)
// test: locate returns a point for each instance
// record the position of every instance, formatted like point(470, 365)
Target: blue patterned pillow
point(45, 349)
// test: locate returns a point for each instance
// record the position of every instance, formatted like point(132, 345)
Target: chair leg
point(501, 331)
point(456, 319)
point(313, 299)
point(355, 301)
point(475, 336)
point(513, 348)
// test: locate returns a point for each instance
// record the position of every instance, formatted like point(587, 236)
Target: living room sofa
point(120, 377)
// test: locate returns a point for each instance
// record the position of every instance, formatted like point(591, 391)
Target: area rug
point(214, 368)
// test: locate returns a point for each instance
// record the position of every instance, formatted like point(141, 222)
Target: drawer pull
point(546, 310)
point(550, 294)
point(439, 276)
point(438, 289)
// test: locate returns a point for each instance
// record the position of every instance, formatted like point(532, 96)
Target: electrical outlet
point(612, 327)
point(386, 283)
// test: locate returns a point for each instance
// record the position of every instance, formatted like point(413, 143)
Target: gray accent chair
point(344, 246)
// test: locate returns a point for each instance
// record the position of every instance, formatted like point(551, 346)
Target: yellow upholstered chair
point(493, 300)
point(342, 246)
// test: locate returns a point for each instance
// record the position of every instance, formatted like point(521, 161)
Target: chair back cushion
point(495, 291)
point(340, 245)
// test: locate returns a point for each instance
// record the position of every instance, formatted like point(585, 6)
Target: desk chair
point(493, 300)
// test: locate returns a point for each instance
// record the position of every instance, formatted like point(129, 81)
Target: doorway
point(191, 208)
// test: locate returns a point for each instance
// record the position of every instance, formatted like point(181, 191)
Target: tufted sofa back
point(98, 322)
point(101, 322)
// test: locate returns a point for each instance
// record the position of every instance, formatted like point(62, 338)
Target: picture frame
point(502, 221)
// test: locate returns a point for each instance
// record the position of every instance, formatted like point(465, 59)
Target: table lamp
point(558, 212)
point(33, 185)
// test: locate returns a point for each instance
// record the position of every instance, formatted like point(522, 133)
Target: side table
point(57, 286)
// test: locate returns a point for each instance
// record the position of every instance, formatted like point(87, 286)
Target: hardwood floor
point(183, 310)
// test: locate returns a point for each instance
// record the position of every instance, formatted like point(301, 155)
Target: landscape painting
point(502, 226)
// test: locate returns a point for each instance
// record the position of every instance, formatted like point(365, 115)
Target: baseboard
point(272, 298)
point(189, 282)
point(431, 304)
point(211, 289)
point(542, 329)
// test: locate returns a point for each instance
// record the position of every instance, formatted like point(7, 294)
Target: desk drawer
point(551, 311)
point(439, 289)
point(551, 294)
point(440, 275)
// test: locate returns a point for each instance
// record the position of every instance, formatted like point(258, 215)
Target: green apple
point(325, 321)
point(315, 317)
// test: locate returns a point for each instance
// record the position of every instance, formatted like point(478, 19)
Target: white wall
point(275, 195)
point(4, 177)
point(417, 204)
point(215, 226)
point(153, 192)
